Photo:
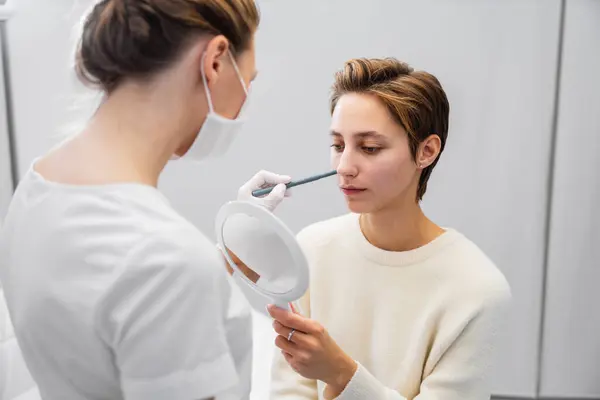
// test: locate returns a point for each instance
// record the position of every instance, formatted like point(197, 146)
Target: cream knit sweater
point(420, 324)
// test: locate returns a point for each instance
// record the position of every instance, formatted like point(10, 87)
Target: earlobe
point(422, 160)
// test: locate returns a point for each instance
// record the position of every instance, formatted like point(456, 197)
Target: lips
point(351, 190)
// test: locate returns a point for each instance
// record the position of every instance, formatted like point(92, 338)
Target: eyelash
point(367, 149)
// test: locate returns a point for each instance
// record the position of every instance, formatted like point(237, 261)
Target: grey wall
point(497, 60)
point(47, 98)
point(6, 183)
point(571, 346)
point(501, 86)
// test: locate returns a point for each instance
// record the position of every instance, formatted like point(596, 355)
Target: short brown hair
point(137, 38)
point(415, 99)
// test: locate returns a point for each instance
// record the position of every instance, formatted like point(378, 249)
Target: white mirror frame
point(270, 221)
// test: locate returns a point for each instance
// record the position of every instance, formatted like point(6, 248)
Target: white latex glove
point(261, 180)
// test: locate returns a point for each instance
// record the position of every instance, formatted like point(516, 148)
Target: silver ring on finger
point(289, 338)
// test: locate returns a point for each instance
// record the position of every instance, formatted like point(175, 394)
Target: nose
point(345, 164)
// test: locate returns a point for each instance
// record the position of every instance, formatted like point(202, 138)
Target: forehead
point(356, 112)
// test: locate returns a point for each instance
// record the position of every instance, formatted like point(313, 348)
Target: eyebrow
point(362, 134)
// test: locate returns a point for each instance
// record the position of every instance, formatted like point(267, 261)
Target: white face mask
point(217, 132)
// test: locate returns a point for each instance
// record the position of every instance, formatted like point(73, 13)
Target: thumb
point(278, 192)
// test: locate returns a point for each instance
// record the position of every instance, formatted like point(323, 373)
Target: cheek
point(228, 96)
point(392, 172)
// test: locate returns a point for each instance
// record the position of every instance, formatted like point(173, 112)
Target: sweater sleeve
point(287, 384)
point(462, 372)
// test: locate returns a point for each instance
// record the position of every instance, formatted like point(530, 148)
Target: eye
point(371, 150)
point(337, 147)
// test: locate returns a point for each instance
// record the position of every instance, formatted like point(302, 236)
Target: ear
point(216, 50)
point(428, 151)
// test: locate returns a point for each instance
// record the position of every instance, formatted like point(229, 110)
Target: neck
point(134, 133)
point(399, 228)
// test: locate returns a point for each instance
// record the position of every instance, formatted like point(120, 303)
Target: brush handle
point(262, 192)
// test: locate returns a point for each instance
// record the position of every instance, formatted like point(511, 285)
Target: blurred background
point(519, 176)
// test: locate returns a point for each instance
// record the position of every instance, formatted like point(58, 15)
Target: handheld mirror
point(267, 262)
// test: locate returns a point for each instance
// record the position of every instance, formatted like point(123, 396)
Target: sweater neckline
point(398, 258)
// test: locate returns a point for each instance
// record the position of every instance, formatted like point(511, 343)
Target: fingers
point(288, 357)
point(299, 338)
point(267, 177)
point(278, 192)
point(275, 197)
point(287, 346)
point(263, 179)
point(295, 321)
point(282, 330)
point(291, 360)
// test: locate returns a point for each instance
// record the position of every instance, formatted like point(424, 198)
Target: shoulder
point(165, 240)
point(477, 278)
point(176, 248)
point(169, 261)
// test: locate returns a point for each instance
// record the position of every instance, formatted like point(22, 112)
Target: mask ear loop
point(237, 71)
point(208, 97)
point(246, 90)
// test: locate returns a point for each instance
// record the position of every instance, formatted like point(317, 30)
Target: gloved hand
point(261, 180)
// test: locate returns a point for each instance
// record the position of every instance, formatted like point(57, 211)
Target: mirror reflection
point(259, 253)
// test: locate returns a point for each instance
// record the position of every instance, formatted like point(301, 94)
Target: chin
point(360, 207)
